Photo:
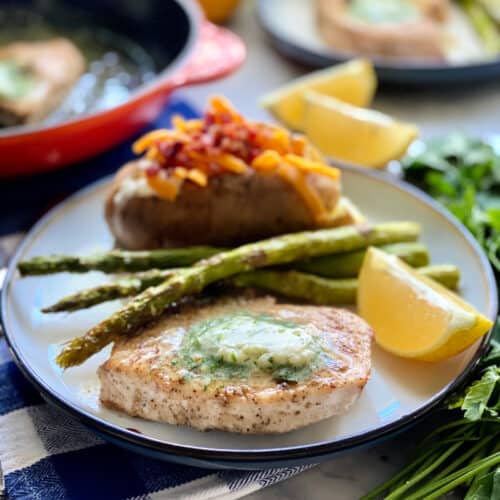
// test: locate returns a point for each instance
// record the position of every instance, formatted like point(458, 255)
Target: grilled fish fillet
point(419, 39)
point(142, 378)
point(54, 65)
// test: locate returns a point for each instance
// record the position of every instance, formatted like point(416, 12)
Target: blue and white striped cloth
point(48, 455)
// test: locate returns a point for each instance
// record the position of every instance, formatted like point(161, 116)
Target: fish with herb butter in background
point(410, 29)
point(35, 77)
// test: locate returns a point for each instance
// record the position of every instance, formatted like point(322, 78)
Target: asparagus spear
point(124, 287)
point(327, 291)
point(446, 274)
point(344, 265)
point(347, 265)
point(492, 8)
point(151, 303)
point(117, 261)
point(484, 25)
point(299, 285)
point(288, 283)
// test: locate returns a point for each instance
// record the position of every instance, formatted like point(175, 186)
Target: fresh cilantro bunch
point(463, 174)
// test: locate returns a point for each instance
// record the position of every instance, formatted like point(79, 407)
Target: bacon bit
point(225, 117)
point(169, 151)
point(152, 170)
point(209, 121)
point(215, 168)
point(198, 177)
point(307, 165)
point(165, 187)
point(252, 154)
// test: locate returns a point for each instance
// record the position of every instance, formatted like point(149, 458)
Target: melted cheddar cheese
point(225, 142)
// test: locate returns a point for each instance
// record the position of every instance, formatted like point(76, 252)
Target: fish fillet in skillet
point(35, 77)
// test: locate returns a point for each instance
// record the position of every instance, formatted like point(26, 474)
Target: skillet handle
point(218, 53)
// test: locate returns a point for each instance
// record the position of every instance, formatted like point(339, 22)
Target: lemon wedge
point(218, 11)
point(354, 82)
point(413, 316)
point(361, 136)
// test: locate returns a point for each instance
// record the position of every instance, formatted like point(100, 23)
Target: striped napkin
point(46, 454)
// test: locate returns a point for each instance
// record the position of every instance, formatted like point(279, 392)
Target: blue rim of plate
point(247, 458)
point(407, 73)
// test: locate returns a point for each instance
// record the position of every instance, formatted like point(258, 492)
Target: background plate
point(291, 26)
point(399, 392)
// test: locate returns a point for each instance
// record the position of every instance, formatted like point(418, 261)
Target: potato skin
point(232, 209)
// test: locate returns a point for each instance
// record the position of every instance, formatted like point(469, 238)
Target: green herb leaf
point(495, 490)
point(463, 174)
point(493, 356)
point(493, 215)
point(479, 393)
point(487, 487)
point(15, 81)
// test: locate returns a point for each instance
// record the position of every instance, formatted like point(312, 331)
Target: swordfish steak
point(241, 365)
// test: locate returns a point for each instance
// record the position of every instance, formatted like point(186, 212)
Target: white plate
point(398, 393)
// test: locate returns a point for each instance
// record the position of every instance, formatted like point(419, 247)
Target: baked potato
point(275, 193)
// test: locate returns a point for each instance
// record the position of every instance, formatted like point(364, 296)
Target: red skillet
point(211, 53)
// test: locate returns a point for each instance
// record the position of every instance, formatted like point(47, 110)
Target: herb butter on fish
point(15, 81)
point(252, 343)
point(384, 11)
